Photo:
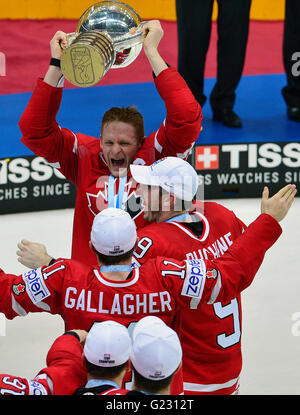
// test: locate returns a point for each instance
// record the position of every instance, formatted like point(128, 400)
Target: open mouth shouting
point(118, 163)
point(118, 166)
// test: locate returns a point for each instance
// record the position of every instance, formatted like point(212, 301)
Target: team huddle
point(151, 295)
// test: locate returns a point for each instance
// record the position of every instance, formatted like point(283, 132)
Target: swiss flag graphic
point(207, 157)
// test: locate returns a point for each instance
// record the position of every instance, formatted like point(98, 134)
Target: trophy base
point(87, 59)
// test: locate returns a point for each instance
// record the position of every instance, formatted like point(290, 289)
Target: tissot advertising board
point(243, 169)
point(240, 170)
point(29, 183)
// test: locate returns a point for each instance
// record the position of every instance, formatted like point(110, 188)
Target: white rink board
point(270, 340)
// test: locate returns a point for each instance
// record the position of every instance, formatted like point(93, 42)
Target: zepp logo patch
point(35, 285)
point(194, 281)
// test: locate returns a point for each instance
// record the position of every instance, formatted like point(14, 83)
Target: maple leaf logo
point(132, 202)
point(211, 273)
point(18, 288)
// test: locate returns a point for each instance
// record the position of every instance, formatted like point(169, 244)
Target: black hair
point(148, 385)
point(101, 372)
point(112, 260)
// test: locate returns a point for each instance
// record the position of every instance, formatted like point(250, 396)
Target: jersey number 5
point(225, 311)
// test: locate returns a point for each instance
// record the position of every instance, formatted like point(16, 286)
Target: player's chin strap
point(115, 268)
point(178, 218)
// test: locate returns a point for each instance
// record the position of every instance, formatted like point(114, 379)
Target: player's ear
point(179, 367)
point(172, 201)
point(130, 366)
point(168, 202)
point(92, 247)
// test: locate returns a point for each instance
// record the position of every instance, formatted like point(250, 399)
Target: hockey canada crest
point(211, 273)
point(132, 202)
point(18, 288)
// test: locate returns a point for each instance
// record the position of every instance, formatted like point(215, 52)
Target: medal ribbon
point(115, 268)
point(178, 218)
point(118, 201)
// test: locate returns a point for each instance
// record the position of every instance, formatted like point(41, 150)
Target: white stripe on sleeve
point(216, 290)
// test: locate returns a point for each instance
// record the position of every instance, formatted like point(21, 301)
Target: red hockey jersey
point(63, 358)
point(162, 287)
point(212, 358)
point(82, 295)
point(14, 385)
point(80, 160)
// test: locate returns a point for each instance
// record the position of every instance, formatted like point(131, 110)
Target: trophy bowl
point(109, 34)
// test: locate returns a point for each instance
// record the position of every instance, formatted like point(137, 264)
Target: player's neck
point(182, 216)
point(117, 379)
point(163, 391)
point(115, 276)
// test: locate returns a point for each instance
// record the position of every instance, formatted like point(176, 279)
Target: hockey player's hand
point(59, 40)
point(82, 335)
point(279, 204)
point(153, 33)
point(32, 254)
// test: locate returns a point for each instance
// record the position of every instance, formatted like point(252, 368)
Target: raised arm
point(153, 33)
point(246, 254)
point(32, 291)
point(222, 279)
point(40, 130)
point(54, 73)
point(182, 124)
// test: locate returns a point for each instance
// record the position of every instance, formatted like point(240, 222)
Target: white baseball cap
point(144, 323)
point(156, 349)
point(172, 174)
point(113, 232)
point(107, 344)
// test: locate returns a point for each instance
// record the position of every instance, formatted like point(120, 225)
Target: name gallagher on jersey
point(156, 302)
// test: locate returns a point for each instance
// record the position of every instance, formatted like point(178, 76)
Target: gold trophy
point(108, 35)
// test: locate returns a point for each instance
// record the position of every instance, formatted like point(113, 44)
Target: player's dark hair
point(129, 115)
point(101, 372)
point(113, 260)
point(148, 385)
